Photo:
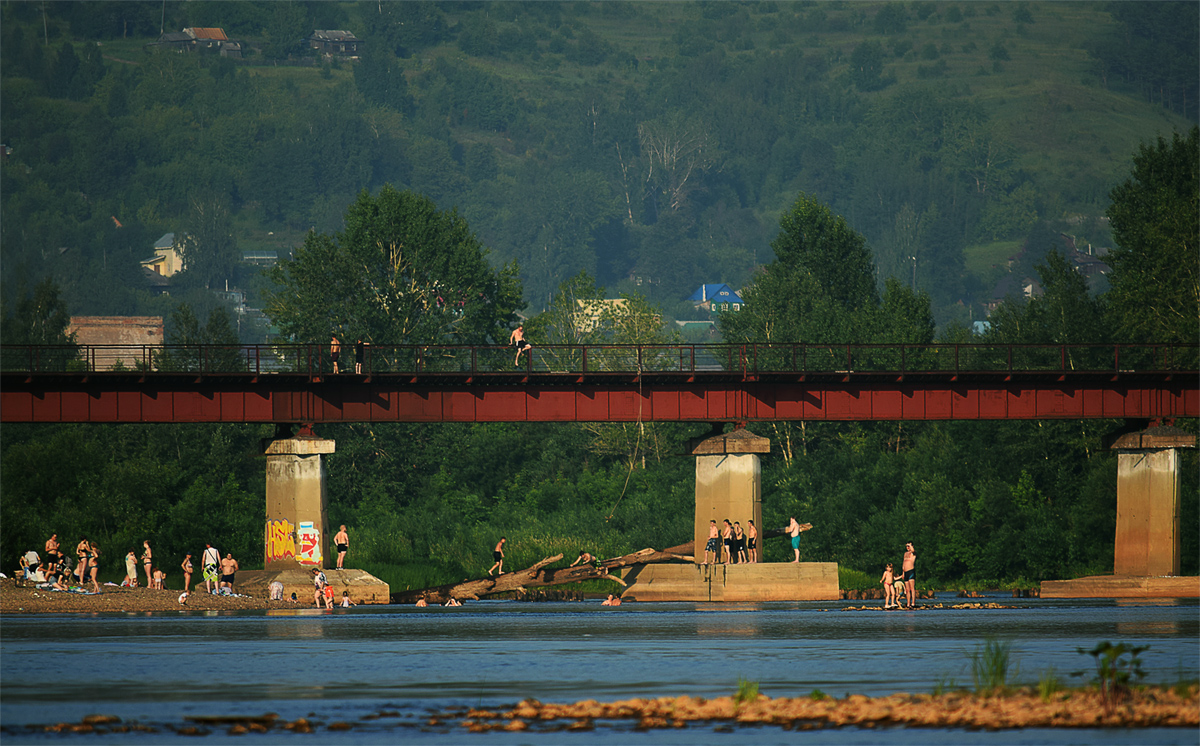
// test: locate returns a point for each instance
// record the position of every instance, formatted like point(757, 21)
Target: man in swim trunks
point(209, 561)
point(910, 573)
point(793, 530)
point(335, 352)
point(752, 541)
point(54, 555)
point(727, 540)
point(518, 338)
point(229, 568)
point(342, 540)
point(713, 547)
point(498, 555)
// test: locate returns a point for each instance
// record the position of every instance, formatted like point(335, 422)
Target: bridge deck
point(295, 383)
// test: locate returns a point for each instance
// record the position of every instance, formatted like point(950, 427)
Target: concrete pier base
point(777, 581)
point(1122, 586)
point(364, 587)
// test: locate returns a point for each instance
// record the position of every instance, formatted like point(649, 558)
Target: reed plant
point(747, 691)
point(990, 666)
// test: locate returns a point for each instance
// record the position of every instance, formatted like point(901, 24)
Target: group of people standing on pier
point(731, 544)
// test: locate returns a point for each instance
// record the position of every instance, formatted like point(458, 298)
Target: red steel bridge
point(610, 383)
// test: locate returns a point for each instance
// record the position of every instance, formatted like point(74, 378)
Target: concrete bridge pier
point(1147, 546)
point(297, 535)
point(729, 486)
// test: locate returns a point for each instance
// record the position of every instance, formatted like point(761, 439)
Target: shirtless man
point(342, 540)
point(713, 547)
point(335, 352)
point(727, 540)
point(229, 568)
point(518, 338)
point(793, 530)
point(909, 567)
point(752, 540)
point(584, 558)
point(498, 555)
point(54, 555)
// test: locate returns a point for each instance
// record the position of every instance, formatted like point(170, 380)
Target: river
point(404, 662)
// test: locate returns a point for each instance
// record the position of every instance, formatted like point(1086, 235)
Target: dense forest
point(545, 153)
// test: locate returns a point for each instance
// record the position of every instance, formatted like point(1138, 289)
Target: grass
point(990, 666)
point(986, 260)
point(747, 691)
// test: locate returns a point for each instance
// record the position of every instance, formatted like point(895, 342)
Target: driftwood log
point(540, 574)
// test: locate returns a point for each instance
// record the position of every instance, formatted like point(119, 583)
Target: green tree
point(1154, 292)
point(821, 279)
point(402, 272)
point(39, 318)
point(208, 248)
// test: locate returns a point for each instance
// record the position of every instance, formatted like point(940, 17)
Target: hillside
point(653, 145)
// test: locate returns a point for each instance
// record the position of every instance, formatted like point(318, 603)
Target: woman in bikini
point(94, 561)
point(187, 573)
point(147, 561)
point(82, 550)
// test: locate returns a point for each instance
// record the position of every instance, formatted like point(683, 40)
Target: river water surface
point(352, 664)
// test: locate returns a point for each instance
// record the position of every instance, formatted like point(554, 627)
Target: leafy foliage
point(1155, 288)
point(402, 272)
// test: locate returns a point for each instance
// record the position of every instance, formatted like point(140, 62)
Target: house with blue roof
point(717, 297)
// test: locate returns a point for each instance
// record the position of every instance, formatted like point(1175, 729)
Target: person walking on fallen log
point(712, 549)
point(586, 558)
point(498, 555)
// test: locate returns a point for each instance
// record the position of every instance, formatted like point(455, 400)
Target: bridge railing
point(734, 359)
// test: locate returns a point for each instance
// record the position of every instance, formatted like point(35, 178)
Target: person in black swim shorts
point(910, 573)
point(518, 338)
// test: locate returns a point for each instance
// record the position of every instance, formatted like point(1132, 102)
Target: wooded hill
point(652, 145)
point(598, 145)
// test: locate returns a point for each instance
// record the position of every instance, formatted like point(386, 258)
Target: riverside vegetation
point(560, 202)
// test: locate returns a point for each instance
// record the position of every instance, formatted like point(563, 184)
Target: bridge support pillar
point(1148, 485)
point(1147, 548)
point(728, 482)
point(296, 526)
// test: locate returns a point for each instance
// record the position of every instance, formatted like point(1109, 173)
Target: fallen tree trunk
point(539, 575)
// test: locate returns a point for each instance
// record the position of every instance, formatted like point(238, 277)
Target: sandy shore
point(28, 599)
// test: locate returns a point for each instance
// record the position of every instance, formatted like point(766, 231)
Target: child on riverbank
point(889, 587)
